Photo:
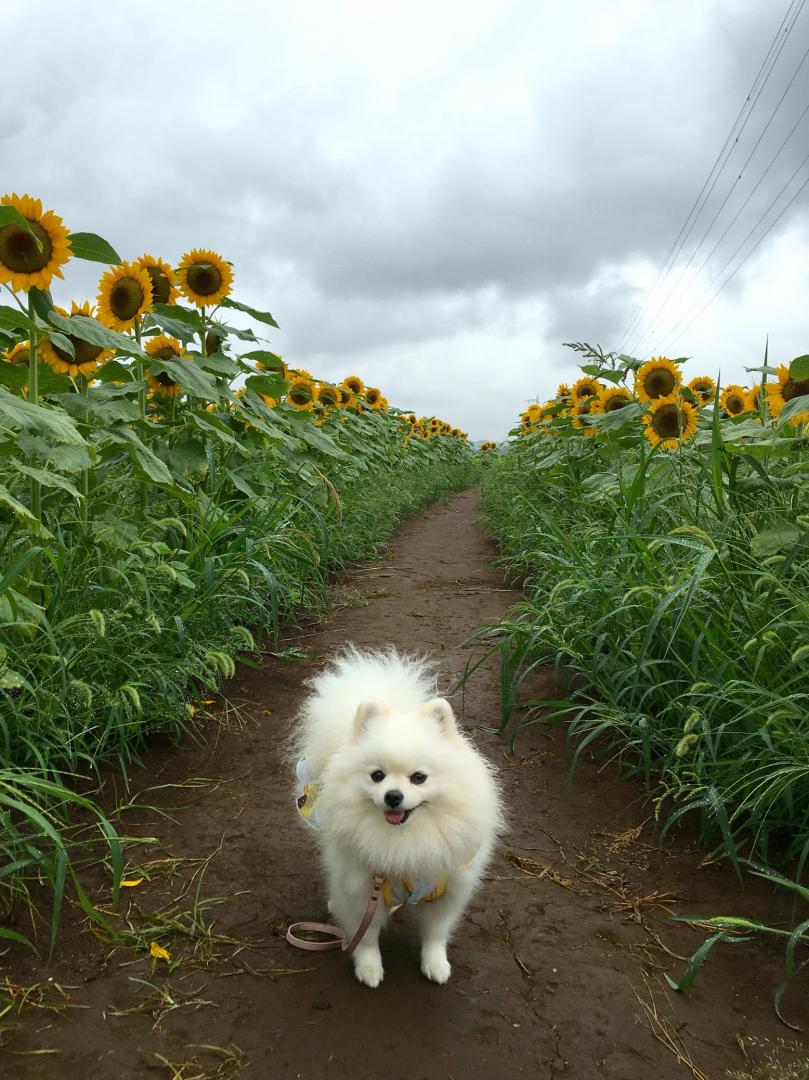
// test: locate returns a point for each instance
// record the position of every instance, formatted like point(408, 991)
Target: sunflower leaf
point(243, 335)
point(93, 248)
point(260, 316)
point(14, 319)
point(46, 478)
point(270, 360)
point(267, 384)
point(178, 321)
point(42, 301)
point(24, 514)
point(50, 423)
point(14, 376)
point(147, 461)
point(63, 343)
point(793, 408)
point(799, 368)
point(96, 333)
point(194, 381)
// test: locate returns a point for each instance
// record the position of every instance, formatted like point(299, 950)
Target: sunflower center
point(85, 353)
point(585, 391)
point(126, 298)
point(19, 250)
point(792, 389)
point(161, 286)
point(734, 404)
point(666, 422)
point(328, 397)
point(204, 279)
point(164, 379)
point(660, 383)
point(372, 397)
point(617, 401)
point(166, 353)
point(300, 395)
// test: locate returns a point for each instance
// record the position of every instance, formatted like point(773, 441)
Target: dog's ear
point(368, 710)
point(440, 710)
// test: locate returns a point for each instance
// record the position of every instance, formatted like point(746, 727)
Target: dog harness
point(395, 891)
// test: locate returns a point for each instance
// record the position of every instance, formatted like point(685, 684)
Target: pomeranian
point(393, 788)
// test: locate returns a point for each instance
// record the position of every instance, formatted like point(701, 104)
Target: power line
point(669, 340)
point(673, 290)
point(752, 192)
point(730, 141)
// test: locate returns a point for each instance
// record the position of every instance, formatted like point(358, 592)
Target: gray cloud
point(441, 194)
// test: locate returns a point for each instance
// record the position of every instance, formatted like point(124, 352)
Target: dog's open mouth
point(397, 817)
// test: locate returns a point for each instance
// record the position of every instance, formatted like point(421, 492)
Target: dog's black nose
point(393, 798)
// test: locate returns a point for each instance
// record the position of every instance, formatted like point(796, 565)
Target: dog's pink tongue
point(394, 817)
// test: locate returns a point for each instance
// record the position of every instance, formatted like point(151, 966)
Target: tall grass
point(671, 594)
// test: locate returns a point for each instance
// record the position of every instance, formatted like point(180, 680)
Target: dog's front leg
point(348, 901)
point(437, 919)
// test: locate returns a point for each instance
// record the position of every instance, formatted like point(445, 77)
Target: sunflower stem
point(143, 491)
point(33, 397)
point(85, 473)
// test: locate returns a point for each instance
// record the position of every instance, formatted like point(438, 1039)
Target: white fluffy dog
point(395, 789)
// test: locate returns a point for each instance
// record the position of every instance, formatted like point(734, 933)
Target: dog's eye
point(417, 778)
point(377, 776)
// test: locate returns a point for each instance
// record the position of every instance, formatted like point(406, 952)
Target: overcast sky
point(431, 195)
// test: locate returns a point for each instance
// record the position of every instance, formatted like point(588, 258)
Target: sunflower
point(328, 396)
point(204, 277)
point(31, 259)
point(752, 398)
point(347, 399)
point(787, 388)
point(164, 283)
point(579, 411)
point(213, 341)
point(534, 411)
point(124, 294)
point(282, 371)
point(302, 394)
point(164, 347)
point(86, 357)
point(353, 384)
point(611, 398)
point(656, 379)
point(585, 388)
point(374, 398)
point(17, 354)
point(704, 388)
point(670, 421)
point(563, 391)
point(270, 402)
point(733, 400)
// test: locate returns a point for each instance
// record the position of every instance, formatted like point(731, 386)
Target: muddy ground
point(557, 970)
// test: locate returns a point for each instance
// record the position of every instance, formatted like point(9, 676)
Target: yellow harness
point(395, 891)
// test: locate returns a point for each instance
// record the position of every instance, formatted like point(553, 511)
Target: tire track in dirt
point(561, 946)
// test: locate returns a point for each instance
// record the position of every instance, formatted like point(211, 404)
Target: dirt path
point(551, 969)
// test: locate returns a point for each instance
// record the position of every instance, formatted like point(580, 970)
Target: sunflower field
point(661, 532)
point(171, 491)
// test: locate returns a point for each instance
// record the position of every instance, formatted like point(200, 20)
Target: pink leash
point(336, 939)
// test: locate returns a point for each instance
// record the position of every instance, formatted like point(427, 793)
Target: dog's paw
point(369, 970)
point(436, 966)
